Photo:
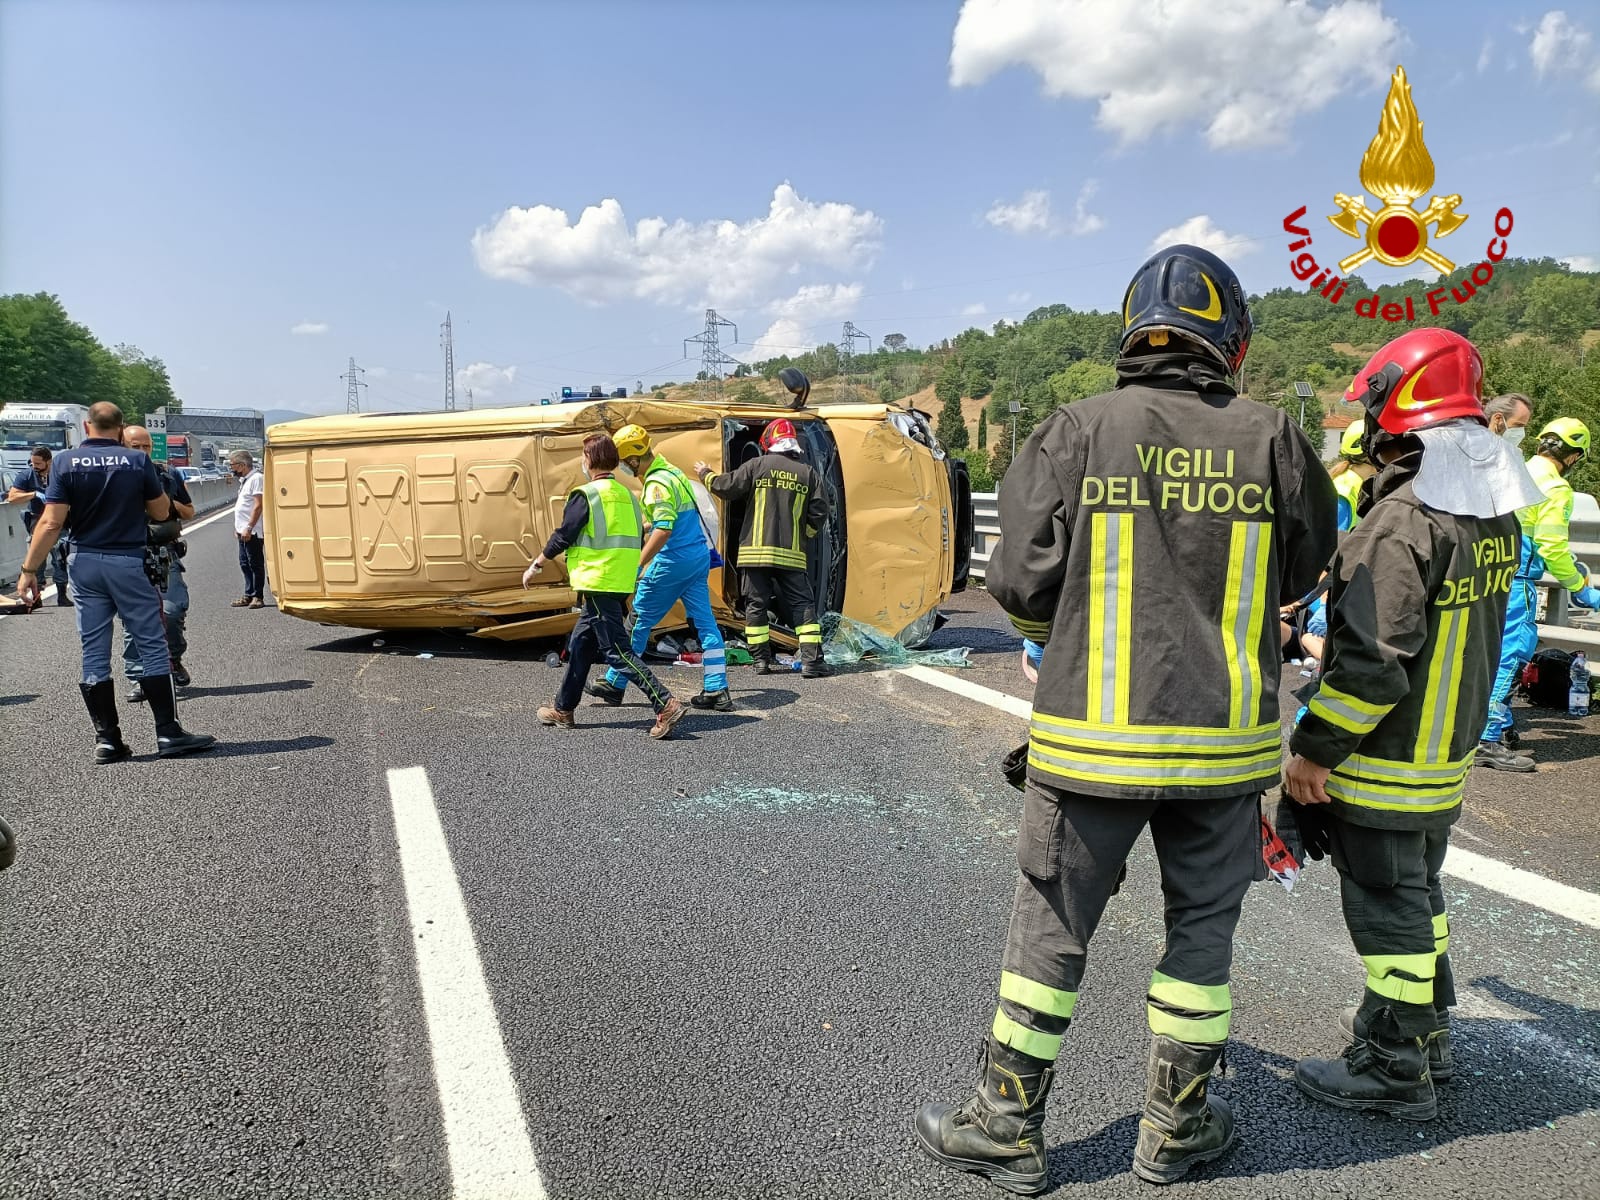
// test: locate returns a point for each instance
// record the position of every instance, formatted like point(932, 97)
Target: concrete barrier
point(207, 497)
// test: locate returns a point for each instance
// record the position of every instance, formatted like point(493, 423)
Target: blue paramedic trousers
point(663, 584)
point(115, 585)
point(1516, 651)
point(174, 612)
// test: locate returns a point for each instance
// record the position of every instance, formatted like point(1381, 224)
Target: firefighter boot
point(171, 738)
point(101, 701)
point(998, 1131)
point(761, 659)
point(1441, 1063)
point(812, 665)
point(1384, 1071)
point(1183, 1124)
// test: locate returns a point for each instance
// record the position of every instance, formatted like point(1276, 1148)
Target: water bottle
point(1578, 697)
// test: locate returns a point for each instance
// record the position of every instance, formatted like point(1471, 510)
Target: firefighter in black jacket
point(786, 508)
point(1416, 608)
point(1149, 537)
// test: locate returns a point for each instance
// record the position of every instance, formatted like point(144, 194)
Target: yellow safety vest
point(605, 558)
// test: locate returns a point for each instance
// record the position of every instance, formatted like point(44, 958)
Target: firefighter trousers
point(1394, 908)
point(1071, 848)
point(769, 590)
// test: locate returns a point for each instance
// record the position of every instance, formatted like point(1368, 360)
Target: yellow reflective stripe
point(1197, 733)
point(1156, 738)
point(1362, 708)
point(758, 523)
point(1037, 996)
point(1197, 997)
point(1242, 610)
point(1156, 772)
point(1200, 1030)
point(1438, 723)
point(799, 511)
point(1110, 615)
point(1039, 631)
point(1407, 978)
point(771, 556)
point(1030, 1041)
point(1441, 933)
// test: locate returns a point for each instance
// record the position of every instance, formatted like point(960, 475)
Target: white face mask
point(625, 469)
point(1515, 433)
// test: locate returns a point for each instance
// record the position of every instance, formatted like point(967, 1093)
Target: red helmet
point(777, 431)
point(1420, 379)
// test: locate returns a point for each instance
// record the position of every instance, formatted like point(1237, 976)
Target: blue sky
point(201, 179)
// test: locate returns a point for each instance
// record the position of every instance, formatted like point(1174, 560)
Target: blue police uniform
point(29, 481)
point(174, 600)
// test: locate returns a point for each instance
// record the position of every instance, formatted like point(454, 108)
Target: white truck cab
point(24, 426)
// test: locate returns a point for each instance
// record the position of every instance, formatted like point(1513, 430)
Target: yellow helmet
point(1569, 431)
point(1350, 442)
point(632, 441)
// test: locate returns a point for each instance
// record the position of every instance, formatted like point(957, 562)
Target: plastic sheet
point(845, 641)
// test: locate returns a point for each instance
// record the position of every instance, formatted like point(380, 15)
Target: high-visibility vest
point(1348, 485)
point(605, 558)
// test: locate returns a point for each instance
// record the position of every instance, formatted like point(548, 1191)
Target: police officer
point(673, 568)
point(109, 492)
point(163, 555)
point(1380, 759)
point(786, 508)
point(601, 533)
point(29, 488)
point(1544, 547)
point(1157, 713)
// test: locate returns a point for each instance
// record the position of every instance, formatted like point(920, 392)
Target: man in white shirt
point(248, 527)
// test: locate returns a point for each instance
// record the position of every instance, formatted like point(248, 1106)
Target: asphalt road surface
point(393, 939)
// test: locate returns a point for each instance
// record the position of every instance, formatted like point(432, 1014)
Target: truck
point(178, 450)
point(24, 426)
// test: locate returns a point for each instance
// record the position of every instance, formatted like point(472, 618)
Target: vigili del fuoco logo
point(1397, 170)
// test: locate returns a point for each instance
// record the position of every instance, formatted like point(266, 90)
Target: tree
point(977, 470)
point(948, 387)
point(742, 370)
point(983, 429)
point(952, 428)
point(1561, 307)
point(1000, 460)
point(1081, 380)
point(894, 341)
point(748, 393)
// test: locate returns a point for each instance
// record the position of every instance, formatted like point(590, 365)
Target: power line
point(447, 340)
point(712, 359)
point(352, 395)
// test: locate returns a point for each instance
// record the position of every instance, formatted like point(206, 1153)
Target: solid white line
point(1565, 901)
point(491, 1157)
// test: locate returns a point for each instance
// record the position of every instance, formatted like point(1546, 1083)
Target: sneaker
point(1496, 755)
point(605, 692)
point(719, 701)
point(242, 602)
point(256, 602)
point(550, 715)
point(667, 718)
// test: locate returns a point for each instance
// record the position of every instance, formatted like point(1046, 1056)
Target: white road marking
point(1565, 901)
point(491, 1157)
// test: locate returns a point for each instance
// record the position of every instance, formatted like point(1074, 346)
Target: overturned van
point(427, 520)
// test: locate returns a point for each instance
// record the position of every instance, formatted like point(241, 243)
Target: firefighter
point(786, 509)
point(1379, 761)
point(1348, 474)
point(1161, 714)
point(673, 568)
point(1544, 547)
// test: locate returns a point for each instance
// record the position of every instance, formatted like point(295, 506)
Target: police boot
point(1500, 756)
point(101, 701)
point(998, 1130)
point(171, 738)
point(1441, 1063)
point(1183, 1124)
point(1381, 1072)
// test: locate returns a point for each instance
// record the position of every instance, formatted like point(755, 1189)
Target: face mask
point(1515, 434)
point(625, 469)
point(586, 474)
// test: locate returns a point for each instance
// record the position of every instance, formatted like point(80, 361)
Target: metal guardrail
point(1557, 629)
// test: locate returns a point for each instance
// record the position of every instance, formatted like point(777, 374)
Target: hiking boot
point(997, 1131)
point(179, 675)
point(719, 701)
point(1498, 756)
point(1183, 1124)
point(171, 738)
point(136, 692)
point(667, 718)
point(606, 692)
point(550, 715)
point(101, 701)
point(1376, 1074)
point(1441, 1063)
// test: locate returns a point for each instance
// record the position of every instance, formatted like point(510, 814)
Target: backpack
point(1548, 678)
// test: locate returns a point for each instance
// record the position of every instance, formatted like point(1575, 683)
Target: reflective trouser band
point(1030, 1041)
point(757, 634)
point(772, 556)
point(1407, 978)
point(1039, 997)
point(808, 633)
point(1441, 934)
point(1039, 631)
point(1189, 1012)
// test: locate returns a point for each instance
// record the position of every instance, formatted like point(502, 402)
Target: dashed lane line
point(491, 1156)
point(1575, 904)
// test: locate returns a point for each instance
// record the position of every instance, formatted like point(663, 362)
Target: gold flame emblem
point(1397, 168)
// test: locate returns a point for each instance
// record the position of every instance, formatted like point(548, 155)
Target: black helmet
point(1192, 292)
point(794, 379)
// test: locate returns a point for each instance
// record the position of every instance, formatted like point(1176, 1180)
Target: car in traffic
point(427, 520)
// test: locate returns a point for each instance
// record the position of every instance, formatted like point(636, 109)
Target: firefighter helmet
point(632, 441)
point(1569, 431)
point(1421, 378)
point(794, 379)
point(776, 431)
point(1190, 292)
point(1350, 443)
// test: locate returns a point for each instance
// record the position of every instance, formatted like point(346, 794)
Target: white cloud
point(310, 327)
point(1559, 44)
point(795, 329)
point(484, 378)
point(1485, 55)
point(716, 263)
point(975, 310)
point(1018, 299)
point(1242, 69)
point(1582, 262)
point(1202, 231)
point(1031, 214)
point(1084, 221)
